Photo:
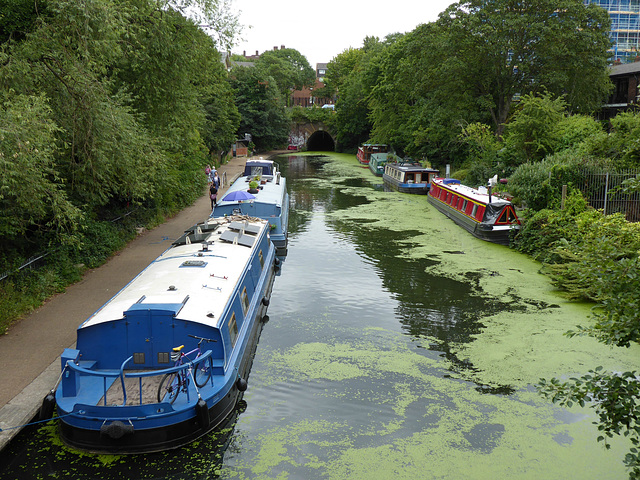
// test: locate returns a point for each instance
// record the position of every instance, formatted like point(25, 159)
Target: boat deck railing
point(106, 375)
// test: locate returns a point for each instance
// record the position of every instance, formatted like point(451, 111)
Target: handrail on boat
point(124, 390)
point(147, 373)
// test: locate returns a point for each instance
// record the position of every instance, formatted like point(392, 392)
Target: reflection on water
point(357, 374)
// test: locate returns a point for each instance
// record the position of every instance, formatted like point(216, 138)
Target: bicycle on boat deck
point(175, 382)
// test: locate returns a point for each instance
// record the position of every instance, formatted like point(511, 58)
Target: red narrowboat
point(485, 215)
point(366, 149)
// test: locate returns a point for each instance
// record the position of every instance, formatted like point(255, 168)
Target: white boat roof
point(203, 281)
point(271, 192)
point(480, 194)
point(411, 167)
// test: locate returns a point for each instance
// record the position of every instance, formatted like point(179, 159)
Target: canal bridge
point(315, 136)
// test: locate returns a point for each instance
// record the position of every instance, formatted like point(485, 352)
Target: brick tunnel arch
point(321, 141)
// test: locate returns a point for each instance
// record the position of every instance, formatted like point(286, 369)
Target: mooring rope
point(36, 422)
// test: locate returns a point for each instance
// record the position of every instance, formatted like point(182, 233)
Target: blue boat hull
point(121, 437)
point(416, 188)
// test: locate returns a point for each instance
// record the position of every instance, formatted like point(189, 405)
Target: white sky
point(321, 30)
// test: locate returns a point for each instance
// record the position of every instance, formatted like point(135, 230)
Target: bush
point(544, 230)
point(539, 185)
point(594, 257)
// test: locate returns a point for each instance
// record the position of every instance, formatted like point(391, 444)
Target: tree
point(32, 194)
point(532, 133)
point(261, 108)
point(339, 68)
point(217, 17)
point(289, 68)
point(504, 48)
point(18, 17)
point(614, 396)
point(352, 120)
point(414, 104)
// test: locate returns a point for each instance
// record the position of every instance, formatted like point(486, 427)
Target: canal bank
point(32, 346)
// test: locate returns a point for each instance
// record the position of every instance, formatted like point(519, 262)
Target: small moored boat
point(269, 200)
point(127, 387)
point(367, 149)
point(408, 177)
point(485, 215)
point(377, 163)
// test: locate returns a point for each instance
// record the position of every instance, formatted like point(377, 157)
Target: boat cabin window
point(245, 300)
point(233, 330)
point(474, 210)
point(261, 257)
point(464, 205)
point(507, 216)
point(410, 178)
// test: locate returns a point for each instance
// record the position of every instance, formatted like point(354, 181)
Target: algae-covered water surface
point(398, 347)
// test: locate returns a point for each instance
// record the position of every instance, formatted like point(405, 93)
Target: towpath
point(31, 348)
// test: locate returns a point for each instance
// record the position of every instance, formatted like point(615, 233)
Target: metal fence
point(601, 189)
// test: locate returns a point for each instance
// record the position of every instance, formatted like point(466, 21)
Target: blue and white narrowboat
point(367, 149)
point(484, 214)
point(209, 290)
point(269, 201)
point(408, 177)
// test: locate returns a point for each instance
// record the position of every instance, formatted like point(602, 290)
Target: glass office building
point(625, 27)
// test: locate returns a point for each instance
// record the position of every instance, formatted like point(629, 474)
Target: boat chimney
point(492, 181)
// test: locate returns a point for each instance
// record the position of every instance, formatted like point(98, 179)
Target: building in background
point(625, 28)
point(306, 96)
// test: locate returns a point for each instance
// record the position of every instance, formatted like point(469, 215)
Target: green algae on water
point(426, 416)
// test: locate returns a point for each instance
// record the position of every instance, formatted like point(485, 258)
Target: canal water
point(398, 347)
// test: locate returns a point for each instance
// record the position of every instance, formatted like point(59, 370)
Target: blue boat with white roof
point(167, 358)
point(261, 191)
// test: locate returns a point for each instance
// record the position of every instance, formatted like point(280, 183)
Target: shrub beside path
point(32, 346)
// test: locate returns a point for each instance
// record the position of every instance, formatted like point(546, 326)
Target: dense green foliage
point(288, 67)
point(418, 91)
point(309, 115)
point(262, 93)
point(261, 108)
point(107, 107)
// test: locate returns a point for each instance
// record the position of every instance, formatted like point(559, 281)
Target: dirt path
point(33, 345)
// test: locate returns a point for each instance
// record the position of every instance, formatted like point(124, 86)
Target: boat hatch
point(157, 308)
point(241, 233)
point(194, 263)
point(245, 227)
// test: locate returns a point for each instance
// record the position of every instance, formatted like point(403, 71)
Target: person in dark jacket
point(213, 195)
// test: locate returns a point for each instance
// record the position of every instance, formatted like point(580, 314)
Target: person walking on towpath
point(213, 194)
